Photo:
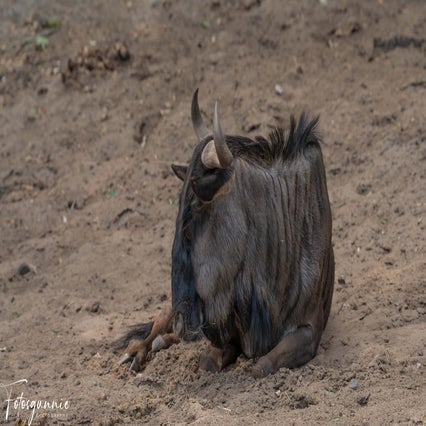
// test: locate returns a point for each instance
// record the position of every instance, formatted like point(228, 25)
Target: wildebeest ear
point(180, 171)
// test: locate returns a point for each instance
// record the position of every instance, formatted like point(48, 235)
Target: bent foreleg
point(294, 350)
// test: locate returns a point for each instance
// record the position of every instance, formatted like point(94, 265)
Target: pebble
point(363, 400)
point(95, 307)
point(353, 384)
point(23, 269)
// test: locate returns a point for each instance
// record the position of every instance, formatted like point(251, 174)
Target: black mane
point(279, 146)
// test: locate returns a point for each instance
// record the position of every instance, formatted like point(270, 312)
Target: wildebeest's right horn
point(223, 152)
point(197, 120)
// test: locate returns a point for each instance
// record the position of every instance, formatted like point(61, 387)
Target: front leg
point(159, 337)
point(294, 350)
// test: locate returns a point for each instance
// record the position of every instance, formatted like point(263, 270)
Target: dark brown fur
point(252, 258)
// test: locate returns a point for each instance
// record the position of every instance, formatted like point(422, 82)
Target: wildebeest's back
point(264, 255)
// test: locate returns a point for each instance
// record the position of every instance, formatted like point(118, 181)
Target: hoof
point(139, 360)
point(134, 366)
point(125, 359)
point(158, 344)
point(263, 368)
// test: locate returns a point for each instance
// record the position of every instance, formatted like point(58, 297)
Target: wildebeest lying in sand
point(252, 259)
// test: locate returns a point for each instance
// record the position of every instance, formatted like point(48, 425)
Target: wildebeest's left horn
point(216, 154)
point(197, 120)
point(223, 152)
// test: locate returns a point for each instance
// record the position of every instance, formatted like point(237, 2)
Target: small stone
point(23, 269)
point(341, 280)
point(363, 400)
point(363, 188)
point(278, 89)
point(353, 384)
point(95, 307)
point(122, 51)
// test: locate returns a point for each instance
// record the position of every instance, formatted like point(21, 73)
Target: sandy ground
point(94, 107)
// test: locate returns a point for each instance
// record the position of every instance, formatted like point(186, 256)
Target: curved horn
point(224, 155)
point(197, 120)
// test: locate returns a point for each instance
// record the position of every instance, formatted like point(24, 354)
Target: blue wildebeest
point(252, 258)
